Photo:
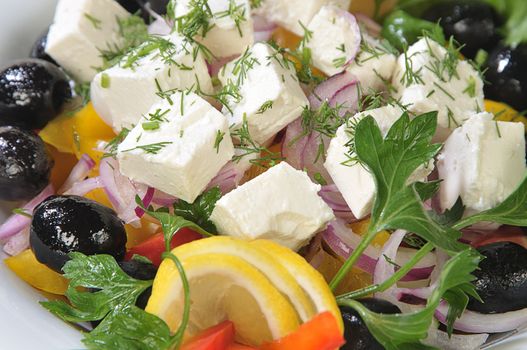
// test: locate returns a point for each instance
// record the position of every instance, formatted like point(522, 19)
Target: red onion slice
point(18, 243)
point(372, 28)
point(159, 27)
point(339, 90)
point(217, 64)
point(163, 199)
point(475, 322)
point(227, 179)
point(332, 196)
point(384, 268)
point(147, 200)
point(79, 172)
point(83, 187)
point(263, 29)
point(16, 222)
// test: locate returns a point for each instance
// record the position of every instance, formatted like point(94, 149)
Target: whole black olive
point(32, 92)
point(357, 335)
point(141, 271)
point(131, 6)
point(473, 24)
point(507, 76)
point(25, 164)
point(65, 224)
point(501, 280)
point(159, 6)
point(39, 49)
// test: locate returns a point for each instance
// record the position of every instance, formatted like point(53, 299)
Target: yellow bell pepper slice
point(504, 112)
point(38, 275)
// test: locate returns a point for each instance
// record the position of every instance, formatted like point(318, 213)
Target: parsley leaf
point(391, 161)
point(510, 212)
point(403, 331)
point(199, 212)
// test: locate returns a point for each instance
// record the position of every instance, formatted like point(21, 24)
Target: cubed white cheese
point(290, 13)
point(231, 26)
point(353, 180)
point(373, 66)
point(282, 205)
point(483, 161)
point(125, 92)
point(80, 30)
point(270, 95)
point(177, 148)
point(334, 39)
point(428, 78)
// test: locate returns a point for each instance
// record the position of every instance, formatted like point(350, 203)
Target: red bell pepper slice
point(154, 247)
point(320, 333)
point(236, 346)
point(218, 337)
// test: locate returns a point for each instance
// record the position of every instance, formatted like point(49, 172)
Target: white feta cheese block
point(482, 162)
point(281, 205)
point(180, 157)
point(80, 30)
point(428, 78)
point(353, 180)
point(373, 66)
point(125, 92)
point(270, 94)
point(231, 26)
point(334, 39)
point(290, 13)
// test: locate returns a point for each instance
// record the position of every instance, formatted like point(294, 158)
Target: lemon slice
point(223, 287)
point(270, 267)
point(311, 281)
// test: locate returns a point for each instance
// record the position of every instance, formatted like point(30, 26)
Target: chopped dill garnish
point(111, 147)
point(265, 106)
point(153, 148)
point(236, 12)
point(219, 137)
point(94, 21)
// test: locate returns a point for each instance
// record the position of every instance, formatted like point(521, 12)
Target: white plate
point(24, 324)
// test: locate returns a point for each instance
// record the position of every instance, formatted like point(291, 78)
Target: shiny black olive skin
point(357, 335)
point(159, 6)
point(472, 23)
point(39, 49)
point(507, 76)
point(65, 224)
point(25, 165)
point(141, 271)
point(32, 92)
point(501, 280)
point(131, 6)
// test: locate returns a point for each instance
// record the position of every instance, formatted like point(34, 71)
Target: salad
point(272, 174)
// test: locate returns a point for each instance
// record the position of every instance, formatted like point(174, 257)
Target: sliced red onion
point(218, 63)
point(147, 200)
point(79, 172)
point(163, 199)
point(475, 322)
point(372, 28)
point(16, 222)
point(339, 90)
point(263, 29)
point(227, 178)
point(442, 340)
point(18, 243)
point(385, 268)
point(302, 151)
point(332, 196)
point(504, 233)
point(121, 191)
point(83, 187)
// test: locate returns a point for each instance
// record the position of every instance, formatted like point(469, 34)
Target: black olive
point(501, 280)
point(131, 6)
point(39, 49)
point(159, 6)
point(141, 271)
point(473, 24)
point(507, 76)
point(32, 92)
point(25, 165)
point(357, 335)
point(65, 224)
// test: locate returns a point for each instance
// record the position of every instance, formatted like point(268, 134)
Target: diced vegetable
point(215, 338)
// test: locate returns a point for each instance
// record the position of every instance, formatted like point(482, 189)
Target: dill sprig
point(111, 147)
point(236, 12)
point(152, 148)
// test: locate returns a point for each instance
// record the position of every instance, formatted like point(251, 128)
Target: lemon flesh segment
point(223, 287)
point(278, 275)
point(311, 281)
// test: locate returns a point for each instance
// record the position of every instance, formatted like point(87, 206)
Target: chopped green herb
point(320, 179)
point(265, 106)
point(22, 211)
point(236, 13)
point(150, 126)
point(153, 148)
point(111, 147)
point(105, 81)
point(94, 21)
point(339, 62)
point(219, 137)
point(200, 211)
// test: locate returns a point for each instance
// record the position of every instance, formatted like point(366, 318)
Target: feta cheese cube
point(373, 66)
point(123, 93)
point(270, 94)
point(290, 13)
point(80, 29)
point(231, 26)
point(483, 161)
point(178, 147)
point(353, 180)
point(428, 78)
point(282, 205)
point(334, 40)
